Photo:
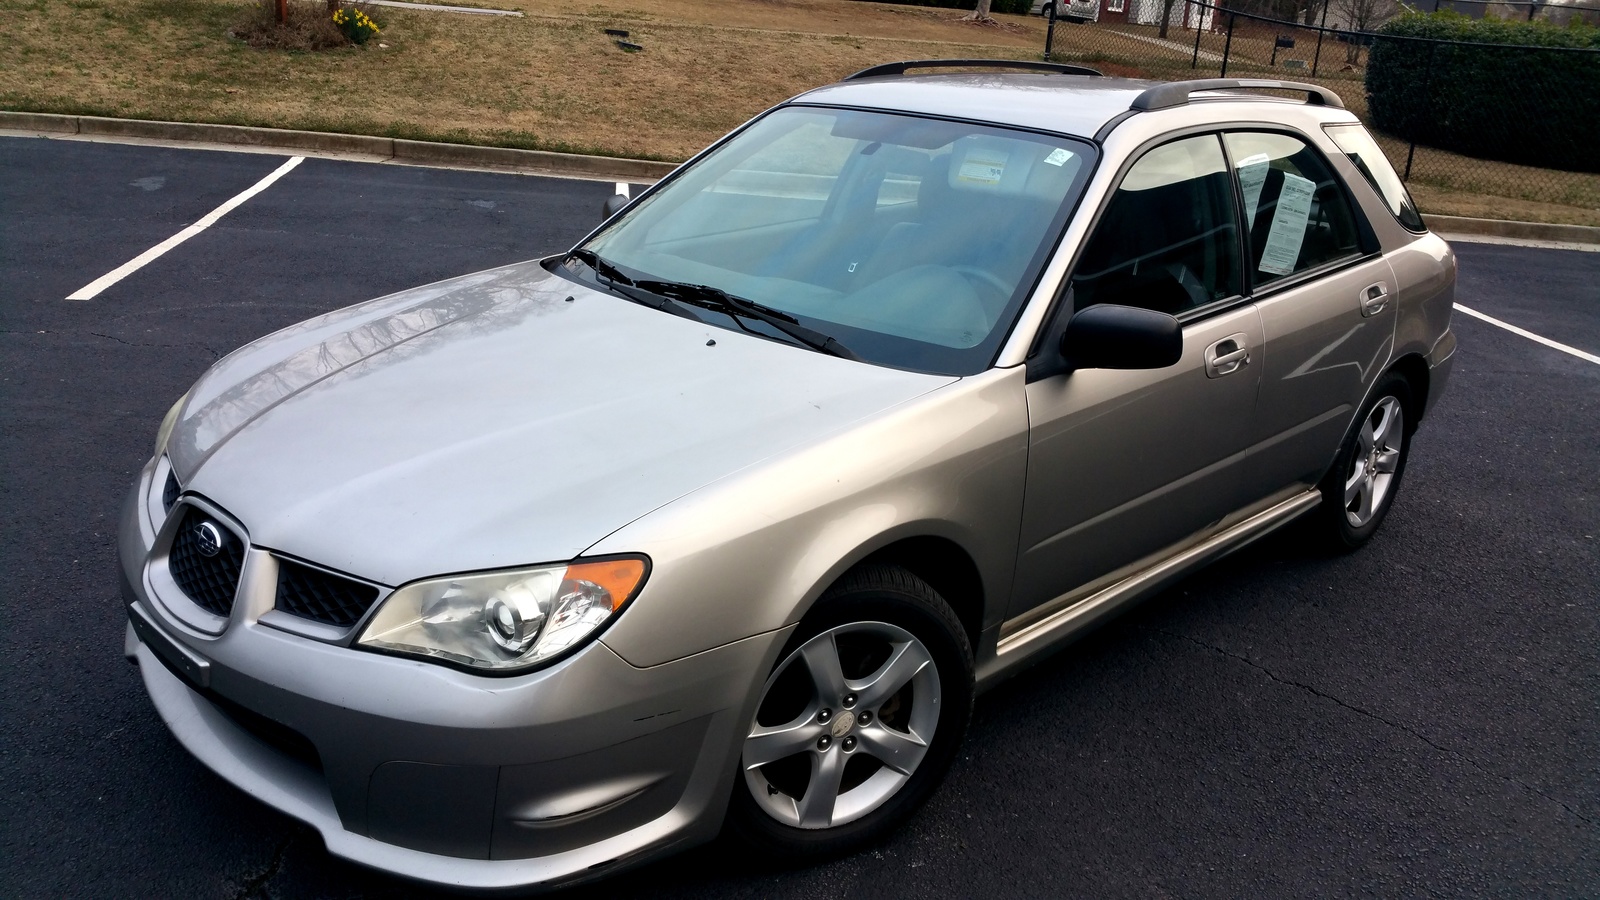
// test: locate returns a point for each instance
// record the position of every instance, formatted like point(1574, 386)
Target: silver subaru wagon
point(718, 522)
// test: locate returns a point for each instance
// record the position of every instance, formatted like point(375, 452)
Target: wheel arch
point(947, 567)
point(1414, 369)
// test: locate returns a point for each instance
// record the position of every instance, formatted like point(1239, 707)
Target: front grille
point(169, 492)
point(322, 597)
point(210, 581)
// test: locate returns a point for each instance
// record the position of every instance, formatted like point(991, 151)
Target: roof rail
point(1177, 93)
point(899, 68)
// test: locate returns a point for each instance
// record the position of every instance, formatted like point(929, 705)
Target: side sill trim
point(1096, 605)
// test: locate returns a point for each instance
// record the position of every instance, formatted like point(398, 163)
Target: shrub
point(1012, 7)
point(308, 27)
point(1521, 92)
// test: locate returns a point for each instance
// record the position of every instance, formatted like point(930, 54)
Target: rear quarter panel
point(1425, 271)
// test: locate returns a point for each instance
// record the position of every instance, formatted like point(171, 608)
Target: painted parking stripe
point(624, 189)
point(1530, 335)
point(93, 288)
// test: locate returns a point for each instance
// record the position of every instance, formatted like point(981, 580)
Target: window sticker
point(1058, 157)
point(1252, 175)
point(1288, 225)
point(983, 167)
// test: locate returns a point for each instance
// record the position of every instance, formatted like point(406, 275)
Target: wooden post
point(283, 12)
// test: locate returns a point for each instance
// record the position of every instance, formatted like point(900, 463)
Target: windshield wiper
point(708, 297)
point(618, 281)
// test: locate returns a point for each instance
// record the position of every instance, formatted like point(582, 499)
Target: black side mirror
point(1104, 336)
point(614, 205)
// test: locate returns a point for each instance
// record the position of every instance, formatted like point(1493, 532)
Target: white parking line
point(93, 288)
point(1530, 335)
point(623, 189)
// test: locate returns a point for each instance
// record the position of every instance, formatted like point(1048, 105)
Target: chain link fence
point(1492, 130)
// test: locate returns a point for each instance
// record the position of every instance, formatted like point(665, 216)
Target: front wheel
point(857, 722)
point(1358, 492)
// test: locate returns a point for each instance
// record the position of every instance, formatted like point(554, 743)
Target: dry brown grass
point(1442, 201)
point(553, 80)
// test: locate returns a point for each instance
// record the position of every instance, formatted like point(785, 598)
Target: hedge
point(1014, 7)
point(1521, 92)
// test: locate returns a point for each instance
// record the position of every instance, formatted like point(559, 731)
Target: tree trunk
point(1166, 16)
point(980, 14)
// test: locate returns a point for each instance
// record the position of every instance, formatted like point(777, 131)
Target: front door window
point(1169, 239)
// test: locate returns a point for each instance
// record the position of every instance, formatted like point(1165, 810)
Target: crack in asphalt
point(257, 883)
point(112, 337)
point(1371, 715)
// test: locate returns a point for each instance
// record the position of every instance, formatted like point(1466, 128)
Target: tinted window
point(1169, 238)
point(1364, 152)
point(1297, 216)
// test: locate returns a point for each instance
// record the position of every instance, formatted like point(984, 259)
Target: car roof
point(1078, 105)
point(1070, 104)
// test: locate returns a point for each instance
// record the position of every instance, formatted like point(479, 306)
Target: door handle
point(1228, 355)
point(1374, 299)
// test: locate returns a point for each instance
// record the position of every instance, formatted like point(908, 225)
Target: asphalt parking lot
point(1421, 718)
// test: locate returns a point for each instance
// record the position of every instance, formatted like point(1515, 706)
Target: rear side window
point(1363, 151)
point(1169, 238)
point(1296, 213)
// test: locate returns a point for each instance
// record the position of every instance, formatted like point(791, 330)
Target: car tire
point(1359, 490)
point(874, 735)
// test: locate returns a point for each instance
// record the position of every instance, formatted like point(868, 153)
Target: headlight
point(500, 621)
point(168, 422)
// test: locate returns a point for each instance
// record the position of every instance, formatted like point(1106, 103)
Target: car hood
point(503, 418)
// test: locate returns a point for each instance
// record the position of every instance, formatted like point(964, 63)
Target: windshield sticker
point(1252, 175)
point(1288, 225)
point(983, 167)
point(1058, 157)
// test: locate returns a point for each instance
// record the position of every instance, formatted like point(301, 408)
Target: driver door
point(1126, 464)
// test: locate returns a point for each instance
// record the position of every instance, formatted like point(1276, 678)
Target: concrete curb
point(400, 150)
point(1533, 231)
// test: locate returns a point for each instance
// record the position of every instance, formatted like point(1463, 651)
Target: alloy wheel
point(842, 725)
point(1375, 461)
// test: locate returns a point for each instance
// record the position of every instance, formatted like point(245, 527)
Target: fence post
point(1227, 48)
point(1427, 85)
point(1321, 30)
point(1050, 31)
point(1199, 25)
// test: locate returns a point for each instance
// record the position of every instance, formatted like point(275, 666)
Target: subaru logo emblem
point(209, 537)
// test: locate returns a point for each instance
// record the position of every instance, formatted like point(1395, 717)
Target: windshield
point(909, 241)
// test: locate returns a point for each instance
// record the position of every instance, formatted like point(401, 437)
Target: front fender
point(750, 553)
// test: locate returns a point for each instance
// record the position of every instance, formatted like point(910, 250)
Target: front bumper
point(422, 771)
